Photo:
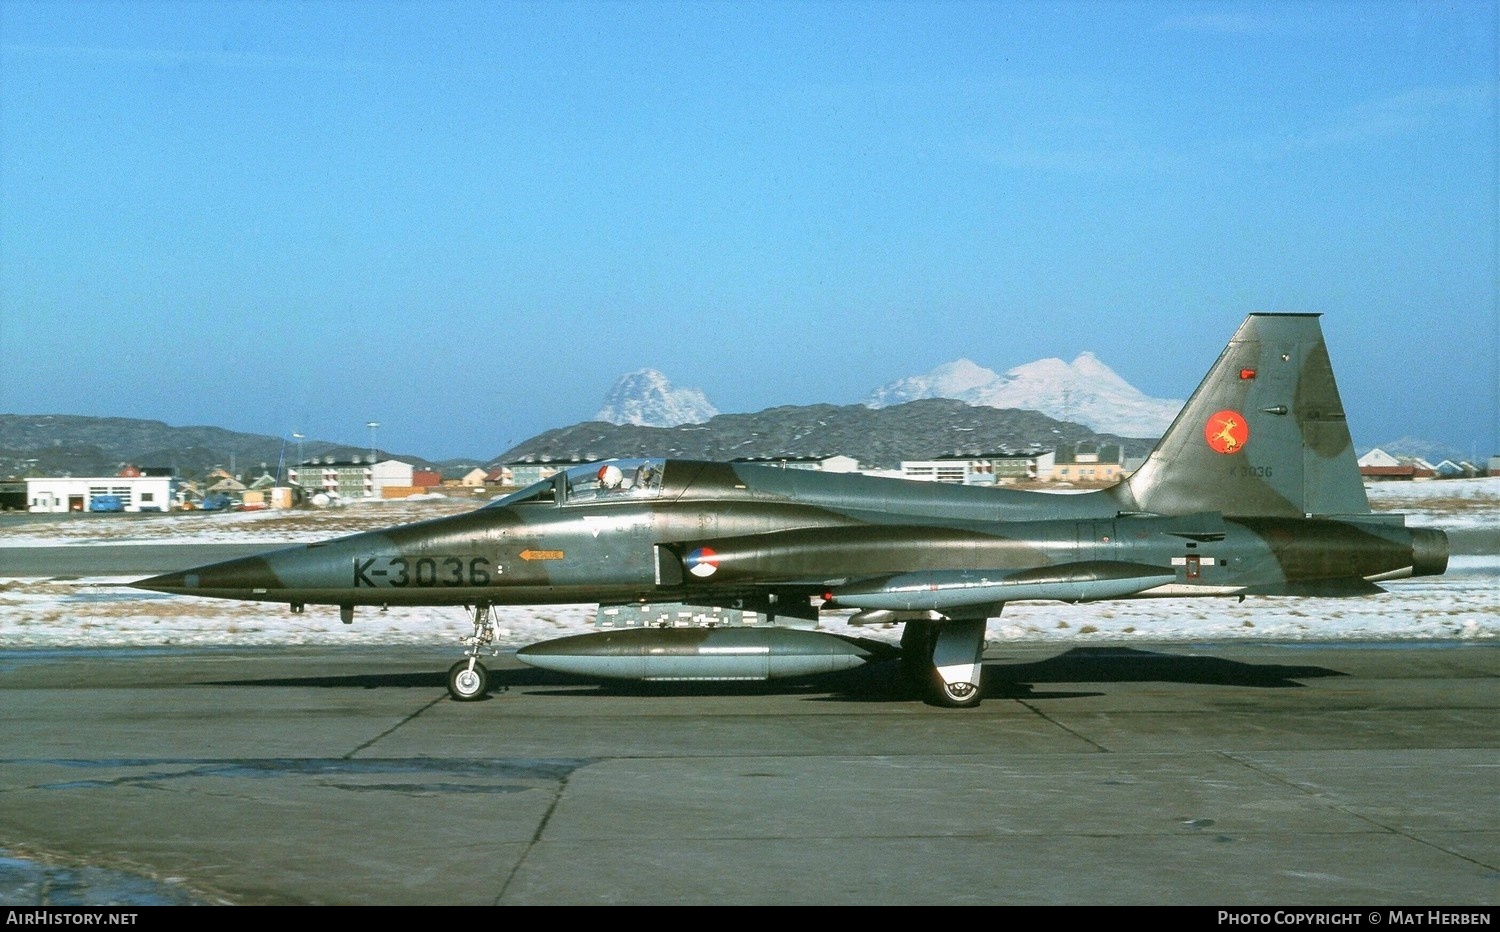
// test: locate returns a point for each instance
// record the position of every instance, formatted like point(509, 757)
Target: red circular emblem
point(1226, 432)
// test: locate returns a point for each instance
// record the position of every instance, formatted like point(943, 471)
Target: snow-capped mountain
point(1429, 450)
point(645, 398)
point(1085, 391)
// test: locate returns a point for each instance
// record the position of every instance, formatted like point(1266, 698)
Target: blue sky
point(465, 220)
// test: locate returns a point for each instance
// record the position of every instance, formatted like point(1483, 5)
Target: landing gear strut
point(944, 659)
point(468, 679)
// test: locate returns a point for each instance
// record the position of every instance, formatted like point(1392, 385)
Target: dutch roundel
point(701, 562)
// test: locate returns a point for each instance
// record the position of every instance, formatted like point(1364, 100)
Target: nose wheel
point(468, 679)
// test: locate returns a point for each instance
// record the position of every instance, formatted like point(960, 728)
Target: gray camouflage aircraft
point(722, 571)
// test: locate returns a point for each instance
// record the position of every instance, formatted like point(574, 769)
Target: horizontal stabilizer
point(944, 590)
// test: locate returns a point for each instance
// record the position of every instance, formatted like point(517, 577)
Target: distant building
point(1377, 459)
point(837, 463)
point(270, 496)
point(1463, 469)
point(264, 492)
point(536, 468)
point(942, 469)
point(12, 494)
point(422, 481)
point(1088, 462)
point(1378, 465)
point(131, 493)
point(388, 474)
point(132, 471)
point(979, 468)
point(359, 477)
point(229, 487)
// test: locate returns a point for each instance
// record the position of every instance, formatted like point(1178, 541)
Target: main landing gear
point(468, 679)
point(945, 660)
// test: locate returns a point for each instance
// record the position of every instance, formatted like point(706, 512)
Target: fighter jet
point(728, 571)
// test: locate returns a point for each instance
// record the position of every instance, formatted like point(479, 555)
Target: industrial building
point(103, 493)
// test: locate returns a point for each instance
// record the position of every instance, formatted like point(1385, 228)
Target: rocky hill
point(57, 444)
point(880, 438)
point(877, 437)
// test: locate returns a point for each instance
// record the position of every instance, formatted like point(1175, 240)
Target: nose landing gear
point(468, 679)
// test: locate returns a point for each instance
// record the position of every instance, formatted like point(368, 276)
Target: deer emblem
point(1226, 432)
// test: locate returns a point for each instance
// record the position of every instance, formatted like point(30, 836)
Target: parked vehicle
point(106, 503)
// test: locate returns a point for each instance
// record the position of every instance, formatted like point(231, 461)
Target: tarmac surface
point(1223, 775)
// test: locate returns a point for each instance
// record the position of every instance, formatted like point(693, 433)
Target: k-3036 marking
point(424, 572)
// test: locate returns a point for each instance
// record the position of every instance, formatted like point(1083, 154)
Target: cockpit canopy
point(610, 480)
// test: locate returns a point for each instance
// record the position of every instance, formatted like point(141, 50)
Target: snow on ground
point(1463, 604)
point(1449, 503)
point(298, 526)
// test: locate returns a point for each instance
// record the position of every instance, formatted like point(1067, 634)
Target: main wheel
point(465, 684)
point(956, 695)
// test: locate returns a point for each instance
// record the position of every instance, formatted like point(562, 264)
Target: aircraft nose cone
point(166, 582)
point(232, 576)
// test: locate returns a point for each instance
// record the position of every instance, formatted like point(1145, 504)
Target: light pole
point(374, 426)
point(300, 459)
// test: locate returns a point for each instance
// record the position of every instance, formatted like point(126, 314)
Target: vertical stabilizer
point(1264, 434)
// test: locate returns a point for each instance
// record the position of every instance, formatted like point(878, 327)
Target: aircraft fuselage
point(770, 528)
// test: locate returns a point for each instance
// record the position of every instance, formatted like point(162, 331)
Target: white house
point(134, 493)
point(1379, 459)
point(1378, 464)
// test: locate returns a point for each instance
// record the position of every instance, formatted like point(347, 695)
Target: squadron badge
point(1226, 432)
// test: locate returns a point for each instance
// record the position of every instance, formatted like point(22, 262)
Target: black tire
point(466, 685)
point(956, 695)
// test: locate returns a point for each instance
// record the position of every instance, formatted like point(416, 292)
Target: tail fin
point(1263, 435)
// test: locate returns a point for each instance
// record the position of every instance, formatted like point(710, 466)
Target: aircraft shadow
point(883, 681)
point(1130, 665)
